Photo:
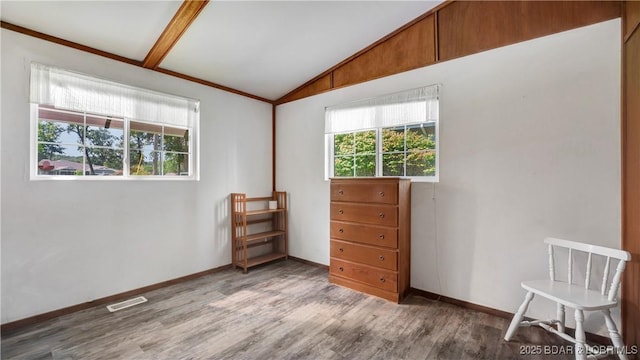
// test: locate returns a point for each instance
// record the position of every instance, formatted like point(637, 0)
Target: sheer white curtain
point(73, 91)
point(407, 107)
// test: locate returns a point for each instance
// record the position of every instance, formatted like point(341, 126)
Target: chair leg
point(517, 318)
point(560, 315)
point(616, 339)
point(581, 349)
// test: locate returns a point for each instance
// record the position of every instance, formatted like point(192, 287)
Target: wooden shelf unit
point(267, 243)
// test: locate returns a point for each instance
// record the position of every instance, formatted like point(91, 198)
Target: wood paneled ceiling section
point(455, 29)
point(467, 27)
point(631, 19)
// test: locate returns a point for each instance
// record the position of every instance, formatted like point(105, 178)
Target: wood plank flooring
point(284, 310)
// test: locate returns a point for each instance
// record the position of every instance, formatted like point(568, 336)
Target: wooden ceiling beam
point(186, 14)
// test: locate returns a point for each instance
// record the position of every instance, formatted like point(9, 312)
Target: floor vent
point(127, 303)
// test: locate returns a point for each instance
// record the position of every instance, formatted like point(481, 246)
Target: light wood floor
point(285, 310)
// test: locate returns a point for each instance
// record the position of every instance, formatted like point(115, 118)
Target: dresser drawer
point(382, 279)
point(370, 255)
point(374, 235)
point(385, 215)
point(374, 192)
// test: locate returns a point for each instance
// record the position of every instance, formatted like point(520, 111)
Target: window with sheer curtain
point(392, 135)
point(84, 127)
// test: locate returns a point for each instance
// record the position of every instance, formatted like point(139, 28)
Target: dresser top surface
point(369, 179)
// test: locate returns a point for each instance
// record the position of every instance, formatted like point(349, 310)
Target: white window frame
point(46, 90)
point(432, 117)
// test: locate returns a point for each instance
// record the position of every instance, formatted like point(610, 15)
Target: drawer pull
point(381, 215)
point(341, 230)
point(340, 192)
point(381, 258)
point(382, 279)
point(381, 236)
point(341, 249)
point(341, 268)
point(381, 193)
point(340, 212)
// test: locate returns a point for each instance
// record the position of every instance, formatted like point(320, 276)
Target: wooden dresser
point(371, 235)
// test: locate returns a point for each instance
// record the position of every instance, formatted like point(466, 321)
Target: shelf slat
point(266, 198)
point(259, 221)
point(263, 235)
point(253, 222)
point(264, 259)
point(264, 211)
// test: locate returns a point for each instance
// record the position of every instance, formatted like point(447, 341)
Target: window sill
point(112, 178)
point(422, 179)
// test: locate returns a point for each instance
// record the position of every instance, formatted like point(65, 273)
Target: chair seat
point(573, 296)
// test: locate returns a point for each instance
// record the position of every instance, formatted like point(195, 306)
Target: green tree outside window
point(405, 151)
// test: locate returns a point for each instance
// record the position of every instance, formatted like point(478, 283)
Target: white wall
point(530, 147)
point(68, 242)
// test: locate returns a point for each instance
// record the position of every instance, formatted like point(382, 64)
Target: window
point(395, 135)
point(409, 150)
point(158, 150)
point(355, 154)
point(86, 127)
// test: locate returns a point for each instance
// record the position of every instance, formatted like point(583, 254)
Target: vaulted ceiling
point(262, 48)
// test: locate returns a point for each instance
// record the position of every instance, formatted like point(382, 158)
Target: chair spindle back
point(609, 253)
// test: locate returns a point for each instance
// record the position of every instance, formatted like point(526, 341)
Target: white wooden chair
point(578, 297)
